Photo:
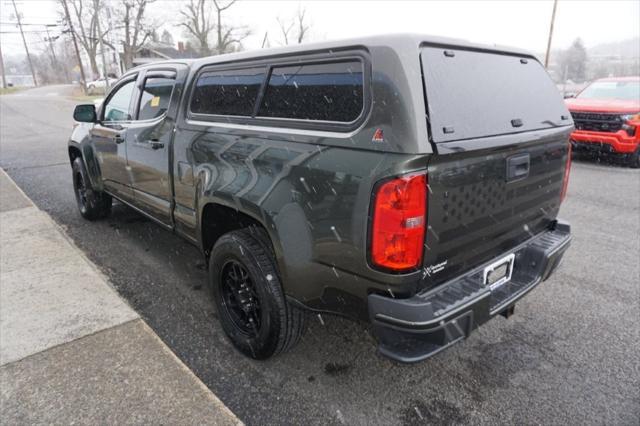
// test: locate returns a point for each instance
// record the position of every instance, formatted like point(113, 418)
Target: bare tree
point(197, 21)
point(51, 51)
point(303, 28)
point(297, 22)
point(167, 38)
point(131, 13)
point(86, 16)
point(54, 64)
point(229, 37)
point(69, 21)
point(285, 28)
point(573, 61)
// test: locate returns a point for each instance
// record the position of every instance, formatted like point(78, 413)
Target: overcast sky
point(518, 23)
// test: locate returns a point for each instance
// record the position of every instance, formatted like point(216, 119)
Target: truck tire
point(92, 204)
point(251, 305)
point(634, 159)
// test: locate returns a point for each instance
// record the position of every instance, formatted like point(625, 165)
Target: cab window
point(230, 92)
point(155, 97)
point(325, 92)
point(117, 106)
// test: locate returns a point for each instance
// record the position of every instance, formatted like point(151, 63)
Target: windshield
point(624, 90)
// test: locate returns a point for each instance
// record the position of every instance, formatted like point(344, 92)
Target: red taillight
point(399, 223)
point(567, 169)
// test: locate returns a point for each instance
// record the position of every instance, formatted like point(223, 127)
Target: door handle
point(118, 138)
point(156, 144)
point(115, 127)
point(518, 167)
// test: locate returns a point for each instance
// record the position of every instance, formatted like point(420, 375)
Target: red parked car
point(607, 118)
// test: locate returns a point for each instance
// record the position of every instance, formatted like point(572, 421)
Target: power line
point(19, 42)
point(26, 32)
point(24, 40)
point(32, 24)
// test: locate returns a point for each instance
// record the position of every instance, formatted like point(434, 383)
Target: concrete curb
point(57, 308)
point(214, 399)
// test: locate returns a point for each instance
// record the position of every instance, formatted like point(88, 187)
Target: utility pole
point(24, 40)
point(53, 51)
point(96, 6)
point(114, 42)
point(75, 45)
point(553, 18)
point(4, 77)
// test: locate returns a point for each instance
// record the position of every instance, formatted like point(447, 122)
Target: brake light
point(565, 179)
point(399, 223)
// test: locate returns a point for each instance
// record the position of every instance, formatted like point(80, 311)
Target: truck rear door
point(500, 131)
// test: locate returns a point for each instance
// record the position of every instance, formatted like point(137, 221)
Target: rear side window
point(155, 97)
point(324, 92)
point(473, 94)
point(230, 92)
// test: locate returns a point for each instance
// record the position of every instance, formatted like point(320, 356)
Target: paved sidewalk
point(72, 351)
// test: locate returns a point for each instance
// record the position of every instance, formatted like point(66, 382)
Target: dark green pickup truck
point(412, 182)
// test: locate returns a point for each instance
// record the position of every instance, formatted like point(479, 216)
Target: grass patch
point(10, 90)
point(78, 95)
point(86, 98)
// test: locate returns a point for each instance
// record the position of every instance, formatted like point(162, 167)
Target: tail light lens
point(399, 223)
point(567, 169)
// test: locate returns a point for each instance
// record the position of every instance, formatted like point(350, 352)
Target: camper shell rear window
point(474, 94)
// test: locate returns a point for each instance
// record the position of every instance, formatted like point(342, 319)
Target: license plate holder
point(499, 272)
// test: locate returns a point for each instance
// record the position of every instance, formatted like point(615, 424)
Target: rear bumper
point(411, 330)
point(619, 142)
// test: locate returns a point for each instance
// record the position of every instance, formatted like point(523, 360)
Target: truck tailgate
point(476, 213)
point(500, 132)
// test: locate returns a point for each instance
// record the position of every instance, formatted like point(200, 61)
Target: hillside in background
point(579, 64)
point(626, 49)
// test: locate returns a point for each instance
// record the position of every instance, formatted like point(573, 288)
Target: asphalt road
point(570, 355)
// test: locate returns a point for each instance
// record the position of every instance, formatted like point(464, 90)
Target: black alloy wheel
point(81, 192)
point(240, 298)
point(249, 296)
point(91, 203)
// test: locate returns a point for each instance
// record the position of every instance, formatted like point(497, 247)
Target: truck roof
point(393, 41)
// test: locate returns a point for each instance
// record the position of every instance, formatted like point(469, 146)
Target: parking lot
point(568, 355)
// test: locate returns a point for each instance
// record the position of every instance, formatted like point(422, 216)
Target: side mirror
point(569, 95)
point(85, 113)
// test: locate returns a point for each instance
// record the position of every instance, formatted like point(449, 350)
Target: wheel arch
point(74, 152)
point(217, 218)
point(85, 153)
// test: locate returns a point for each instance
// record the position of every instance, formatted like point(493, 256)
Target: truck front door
point(109, 137)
